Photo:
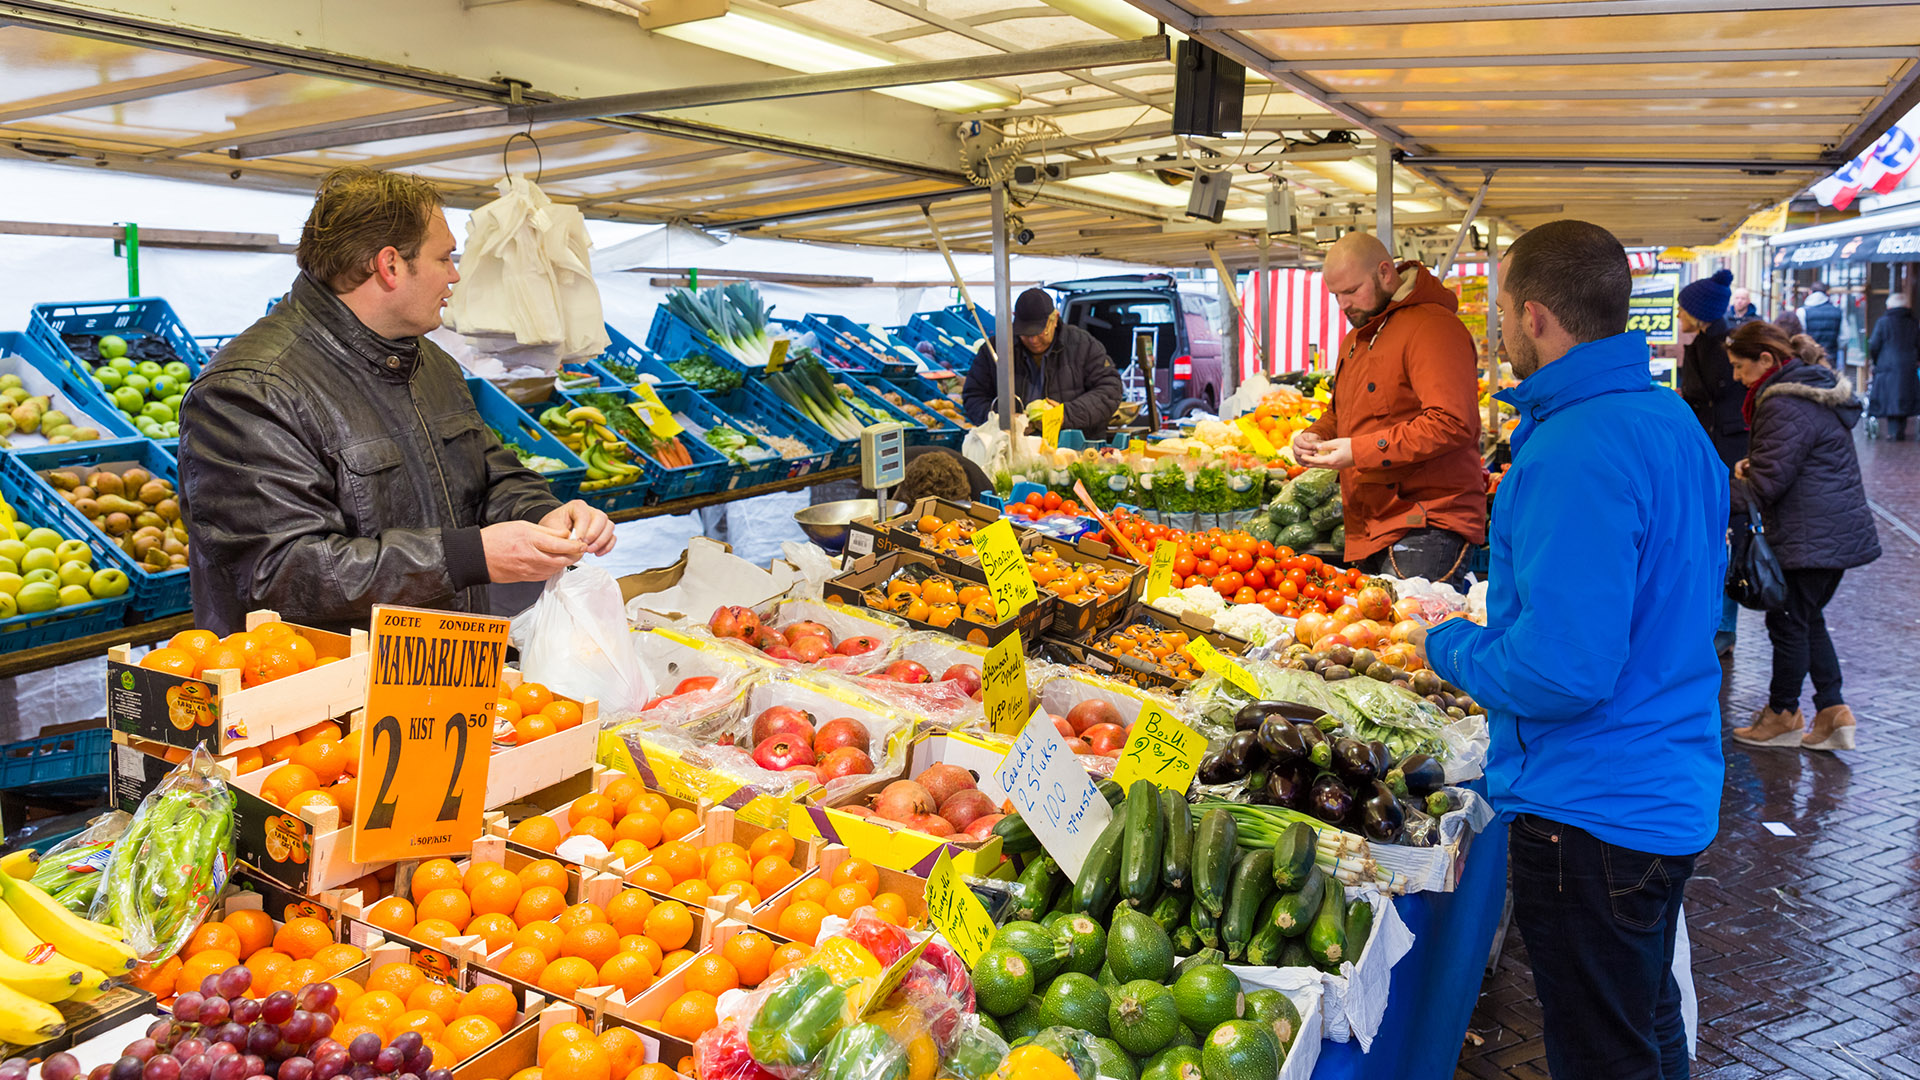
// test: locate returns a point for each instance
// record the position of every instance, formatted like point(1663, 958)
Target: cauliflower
point(1198, 599)
point(1252, 623)
point(1217, 433)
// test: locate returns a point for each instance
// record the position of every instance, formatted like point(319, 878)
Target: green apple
point(40, 559)
point(111, 347)
point(10, 380)
point(156, 411)
point(170, 429)
point(10, 584)
point(43, 538)
point(75, 573)
point(149, 368)
point(128, 400)
point(164, 386)
point(147, 426)
point(108, 377)
point(178, 370)
point(37, 596)
point(13, 550)
point(44, 576)
point(107, 583)
point(74, 594)
point(21, 529)
point(8, 606)
point(138, 382)
point(173, 402)
point(122, 364)
point(73, 551)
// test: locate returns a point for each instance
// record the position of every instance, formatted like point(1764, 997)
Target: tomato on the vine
point(1287, 590)
point(1266, 550)
point(1184, 564)
point(1229, 583)
point(1256, 579)
point(1297, 577)
point(1283, 553)
point(1336, 597)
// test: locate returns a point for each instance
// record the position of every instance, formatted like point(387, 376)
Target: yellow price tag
point(654, 413)
point(896, 973)
point(1006, 568)
point(1050, 419)
point(1256, 438)
point(1160, 572)
point(956, 912)
point(1209, 659)
point(1161, 749)
point(1003, 685)
point(778, 359)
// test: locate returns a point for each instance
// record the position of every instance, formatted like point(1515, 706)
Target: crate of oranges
point(613, 828)
point(562, 1047)
point(456, 1025)
point(553, 739)
point(282, 954)
point(247, 689)
point(839, 886)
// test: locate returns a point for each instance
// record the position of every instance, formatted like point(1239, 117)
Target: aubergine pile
point(1275, 758)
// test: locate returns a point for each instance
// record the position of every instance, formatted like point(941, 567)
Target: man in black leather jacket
point(332, 459)
point(1052, 362)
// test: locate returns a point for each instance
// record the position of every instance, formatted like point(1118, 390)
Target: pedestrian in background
point(1707, 384)
point(1822, 317)
point(1803, 476)
point(1788, 324)
point(1743, 309)
point(1894, 352)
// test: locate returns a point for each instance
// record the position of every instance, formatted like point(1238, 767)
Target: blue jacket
point(1596, 666)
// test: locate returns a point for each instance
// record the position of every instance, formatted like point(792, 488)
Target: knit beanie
point(1707, 299)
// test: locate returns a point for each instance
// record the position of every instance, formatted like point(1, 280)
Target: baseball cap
point(1030, 313)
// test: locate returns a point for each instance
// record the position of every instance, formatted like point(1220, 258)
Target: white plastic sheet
point(575, 640)
point(526, 292)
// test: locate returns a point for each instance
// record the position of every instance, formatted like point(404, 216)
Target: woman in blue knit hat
point(1707, 384)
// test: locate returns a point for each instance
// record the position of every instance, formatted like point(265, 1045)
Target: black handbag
point(1754, 578)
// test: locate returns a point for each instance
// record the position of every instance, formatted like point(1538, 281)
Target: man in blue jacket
point(1596, 664)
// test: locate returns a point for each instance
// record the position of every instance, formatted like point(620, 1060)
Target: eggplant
point(1281, 741)
point(1285, 789)
point(1417, 775)
point(1221, 768)
point(1382, 758)
point(1319, 750)
point(1246, 745)
point(1253, 714)
point(1380, 814)
point(1330, 800)
point(1354, 762)
point(1327, 723)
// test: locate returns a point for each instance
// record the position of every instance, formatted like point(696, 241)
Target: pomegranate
point(842, 732)
point(845, 761)
point(1403, 630)
point(1092, 712)
point(1105, 737)
point(723, 624)
point(1310, 628)
point(806, 772)
point(966, 675)
point(807, 648)
point(1078, 745)
point(781, 652)
point(859, 643)
point(908, 671)
point(734, 621)
point(931, 824)
point(1063, 726)
point(782, 720)
point(1374, 603)
point(964, 806)
point(903, 799)
point(856, 810)
point(780, 752)
point(942, 781)
point(807, 629)
point(982, 826)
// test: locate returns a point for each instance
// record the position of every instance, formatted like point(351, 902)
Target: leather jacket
point(325, 469)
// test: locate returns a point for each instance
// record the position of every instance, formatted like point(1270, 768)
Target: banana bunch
point(47, 954)
point(7, 518)
point(584, 430)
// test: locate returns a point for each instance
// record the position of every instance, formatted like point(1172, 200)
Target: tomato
point(1229, 583)
point(1287, 590)
point(1283, 553)
point(1297, 577)
point(1243, 595)
point(1193, 581)
point(1053, 500)
point(1256, 579)
point(1178, 536)
point(1242, 542)
point(1277, 606)
point(1037, 498)
point(1264, 595)
point(1314, 592)
point(1183, 565)
point(1221, 554)
point(1264, 564)
point(1266, 550)
point(1241, 561)
point(1355, 579)
point(1206, 568)
point(1070, 508)
point(1313, 563)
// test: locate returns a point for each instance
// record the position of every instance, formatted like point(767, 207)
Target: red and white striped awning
point(1307, 322)
point(1638, 260)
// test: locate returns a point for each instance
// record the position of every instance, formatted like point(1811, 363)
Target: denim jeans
point(1598, 921)
point(1801, 643)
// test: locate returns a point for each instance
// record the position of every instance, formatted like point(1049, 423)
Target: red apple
point(807, 648)
point(982, 827)
point(943, 780)
point(1093, 711)
point(903, 799)
point(846, 761)
point(966, 675)
point(782, 720)
point(963, 807)
point(807, 629)
point(845, 731)
point(692, 683)
point(782, 752)
point(1105, 737)
point(859, 643)
point(907, 671)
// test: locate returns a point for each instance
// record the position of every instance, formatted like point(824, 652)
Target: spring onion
point(733, 317)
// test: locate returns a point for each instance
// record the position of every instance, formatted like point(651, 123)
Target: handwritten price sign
point(1006, 568)
point(1053, 793)
point(956, 912)
point(1160, 572)
point(1160, 749)
point(1210, 659)
point(1003, 685)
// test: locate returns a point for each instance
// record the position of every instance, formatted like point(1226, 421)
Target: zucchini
point(1199, 958)
point(1293, 954)
point(1215, 847)
point(1033, 890)
point(1140, 846)
point(1293, 856)
point(1268, 942)
point(1252, 882)
point(1186, 940)
point(1327, 937)
point(1170, 911)
point(1110, 791)
point(1097, 888)
point(1296, 909)
point(1205, 924)
point(1015, 837)
point(1176, 853)
point(1359, 928)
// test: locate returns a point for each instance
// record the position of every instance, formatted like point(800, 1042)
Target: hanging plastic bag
point(169, 867)
point(70, 871)
point(526, 292)
point(576, 641)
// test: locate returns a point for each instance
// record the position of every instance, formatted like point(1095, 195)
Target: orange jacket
point(1406, 393)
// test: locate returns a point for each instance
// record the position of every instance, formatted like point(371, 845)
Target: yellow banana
point(21, 863)
point(37, 981)
point(19, 943)
point(25, 1021)
point(586, 414)
point(93, 983)
point(78, 939)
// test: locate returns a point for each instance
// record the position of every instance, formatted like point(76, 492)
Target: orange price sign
point(431, 686)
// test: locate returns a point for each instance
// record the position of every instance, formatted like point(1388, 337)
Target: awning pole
point(1493, 328)
point(1233, 295)
point(1383, 195)
point(1466, 223)
point(1263, 285)
point(1003, 304)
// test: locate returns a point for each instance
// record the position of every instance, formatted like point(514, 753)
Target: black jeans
point(1434, 554)
point(1801, 644)
point(1599, 922)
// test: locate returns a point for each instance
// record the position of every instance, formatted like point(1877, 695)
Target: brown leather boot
point(1832, 729)
point(1770, 728)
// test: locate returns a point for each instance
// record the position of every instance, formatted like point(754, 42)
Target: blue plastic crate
point(624, 497)
point(638, 357)
point(515, 426)
point(80, 398)
point(135, 317)
point(53, 759)
point(154, 594)
point(755, 403)
point(960, 314)
point(672, 339)
point(573, 375)
point(954, 338)
point(64, 623)
point(863, 384)
point(858, 346)
point(710, 469)
point(921, 390)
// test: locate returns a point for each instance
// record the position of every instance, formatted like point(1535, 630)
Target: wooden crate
point(518, 771)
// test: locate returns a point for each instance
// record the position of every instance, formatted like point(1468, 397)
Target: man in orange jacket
point(1404, 427)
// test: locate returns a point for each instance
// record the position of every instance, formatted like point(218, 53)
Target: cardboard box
point(866, 536)
point(1077, 620)
point(1153, 675)
point(517, 771)
point(873, 571)
point(219, 711)
point(896, 846)
point(706, 576)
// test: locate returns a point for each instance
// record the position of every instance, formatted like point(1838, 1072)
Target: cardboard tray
point(870, 571)
point(867, 536)
point(1152, 675)
point(897, 847)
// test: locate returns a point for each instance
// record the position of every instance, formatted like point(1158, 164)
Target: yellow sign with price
point(1160, 749)
point(1003, 685)
point(1006, 568)
point(1210, 659)
point(956, 912)
point(1160, 571)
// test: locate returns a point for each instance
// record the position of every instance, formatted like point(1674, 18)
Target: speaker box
point(1208, 199)
point(1208, 91)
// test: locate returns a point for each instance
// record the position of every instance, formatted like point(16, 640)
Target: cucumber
point(1097, 888)
point(1252, 882)
point(1170, 911)
point(1293, 856)
point(1296, 909)
point(1294, 954)
point(1033, 890)
point(1215, 849)
point(1267, 941)
point(1140, 846)
point(1015, 837)
point(1176, 854)
point(1359, 928)
point(1110, 791)
point(1327, 937)
point(1205, 923)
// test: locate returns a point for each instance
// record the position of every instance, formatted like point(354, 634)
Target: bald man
point(1404, 427)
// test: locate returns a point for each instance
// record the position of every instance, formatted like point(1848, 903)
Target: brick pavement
point(1806, 949)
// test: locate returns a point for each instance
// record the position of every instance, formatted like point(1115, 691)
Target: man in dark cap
point(1052, 363)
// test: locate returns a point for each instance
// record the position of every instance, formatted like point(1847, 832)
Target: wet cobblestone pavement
point(1806, 948)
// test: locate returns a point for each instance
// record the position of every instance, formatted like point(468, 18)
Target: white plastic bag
point(1246, 397)
point(526, 290)
point(576, 641)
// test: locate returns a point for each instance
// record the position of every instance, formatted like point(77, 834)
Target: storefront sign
point(431, 686)
point(1652, 308)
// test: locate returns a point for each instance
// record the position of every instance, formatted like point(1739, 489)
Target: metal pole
point(1003, 304)
point(1383, 195)
point(1493, 328)
point(1465, 224)
point(1264, 289)
point(130, 242)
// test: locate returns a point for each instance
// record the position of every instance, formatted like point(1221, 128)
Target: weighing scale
point(883, 458)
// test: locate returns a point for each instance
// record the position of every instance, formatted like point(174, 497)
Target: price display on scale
point(883, 456)
point(432, 680)
point(1055, 796)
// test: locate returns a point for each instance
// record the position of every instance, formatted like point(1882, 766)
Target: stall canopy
point(1669, 121)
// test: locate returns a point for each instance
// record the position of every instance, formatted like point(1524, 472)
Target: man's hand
point(1330, 454)
point(1740, 469)
point(1305, 444)
point(584, 523)
point(1418, 639)
point(523, 551)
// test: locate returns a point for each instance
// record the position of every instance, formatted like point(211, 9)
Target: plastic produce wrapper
point(1370, 709)
point(1054, 1053)
point(575, 640)
point(697, 714)
point(169, 867)
point(1209, 704)
point(70, 871)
